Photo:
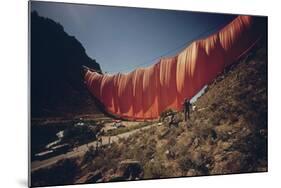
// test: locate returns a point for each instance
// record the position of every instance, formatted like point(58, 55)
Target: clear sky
point(122, 39)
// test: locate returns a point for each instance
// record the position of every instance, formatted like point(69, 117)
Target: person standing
point(186, 107)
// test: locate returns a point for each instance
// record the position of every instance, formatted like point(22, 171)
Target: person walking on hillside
point(186, 106)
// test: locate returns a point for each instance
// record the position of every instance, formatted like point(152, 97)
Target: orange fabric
point(146, 92)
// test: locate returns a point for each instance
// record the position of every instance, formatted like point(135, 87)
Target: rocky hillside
point(226, 133)
point(57, 87)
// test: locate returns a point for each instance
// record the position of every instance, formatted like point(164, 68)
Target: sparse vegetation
point(155, 169)
point(227, 133)
point(121, 130)
point(89, 155)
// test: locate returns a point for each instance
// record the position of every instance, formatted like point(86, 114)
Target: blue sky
point(122, 39)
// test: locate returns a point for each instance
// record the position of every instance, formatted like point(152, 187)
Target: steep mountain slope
point(56, 82)
point(226, 133)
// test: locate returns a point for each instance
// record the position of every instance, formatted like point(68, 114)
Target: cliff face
point(57, 87)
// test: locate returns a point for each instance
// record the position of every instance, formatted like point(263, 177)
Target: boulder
point(130, 170)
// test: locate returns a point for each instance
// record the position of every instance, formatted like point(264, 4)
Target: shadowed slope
point(56, 82)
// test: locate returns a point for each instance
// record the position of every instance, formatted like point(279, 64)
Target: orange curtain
point(146, 92)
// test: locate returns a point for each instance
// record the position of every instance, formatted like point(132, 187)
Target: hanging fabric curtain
point(146, 92)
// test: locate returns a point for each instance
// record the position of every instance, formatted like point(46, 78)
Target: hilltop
point(57, 88)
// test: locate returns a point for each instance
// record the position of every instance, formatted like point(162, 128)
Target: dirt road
point(80, 151)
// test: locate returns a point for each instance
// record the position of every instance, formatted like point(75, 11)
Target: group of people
point(173, 120)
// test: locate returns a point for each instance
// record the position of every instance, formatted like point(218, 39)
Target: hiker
point(171, 120)
point(186, 106)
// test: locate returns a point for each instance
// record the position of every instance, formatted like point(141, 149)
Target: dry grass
point(226, 134)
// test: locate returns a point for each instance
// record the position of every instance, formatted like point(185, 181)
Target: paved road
point(80, 151)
